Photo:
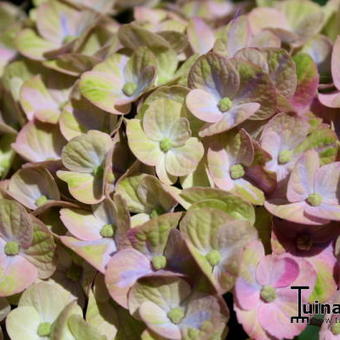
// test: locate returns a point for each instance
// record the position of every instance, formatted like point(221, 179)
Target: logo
point(305, 310)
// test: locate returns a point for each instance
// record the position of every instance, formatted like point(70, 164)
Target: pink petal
point(327, 183)
point(203, 105)
point(16, 274)
point(97, 253)
point(294, 212)
point(326, 211)
point(82, 224)
point(230, 119)
point(277, 271)
point(277, 323)
point(330, 99)
point(301, 181)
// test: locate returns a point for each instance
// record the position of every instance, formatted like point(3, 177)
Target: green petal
point(183, 160)
point(84, 187)
point(146, 150)
point(32, 46)
point(41, 252)
point(87, 152)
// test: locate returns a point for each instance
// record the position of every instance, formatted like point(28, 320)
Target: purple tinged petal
point(215, 74)
point(325, 211)
point(200, 36)
point(123, 270)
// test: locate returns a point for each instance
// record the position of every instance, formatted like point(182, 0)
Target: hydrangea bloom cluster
point(166, 167)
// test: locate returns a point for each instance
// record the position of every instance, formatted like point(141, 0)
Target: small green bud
point(237, 171)
point(154, 213)
point(165, 144)
point(159, 262)
point(129, 88)
point(314, 200)
point(225, 104)
point(193, 333)
point(213, 257)
point(108, 230)
point(285, 156)
point(176, 315)
point(336, 328)
point(41, 201)
point(268, 293)
point(44, 329)
point(12, 248)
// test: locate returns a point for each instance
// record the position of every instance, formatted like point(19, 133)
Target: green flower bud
point(12, 248)
point(44, 329)
point(193, 333)
point(158, 262)
point(41, 201)
point(285, 156)
point(165, 144)
point(176, 315)
point(237, 171)
point(268, 293)
point(314, 199)
point(129, 88)
point(225, 104)
point(336, 328)
point(213, 257)
point(108, 230)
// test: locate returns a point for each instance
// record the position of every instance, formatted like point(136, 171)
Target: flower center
point(129, 88)
point(158, 262)
point(225, 104)
point(108, 230)
point(12, 248)
point(268, 293)
point(285, 156)
point(304, 242)
point(314, 199)
point(176, 315)
point(336, 328)
point(41, 201)
point(44, 329)
point(165, 144)
point(237, 171)
point(213, 257)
